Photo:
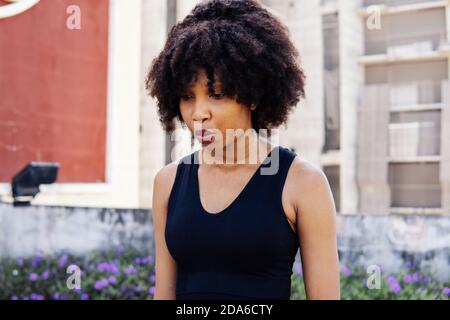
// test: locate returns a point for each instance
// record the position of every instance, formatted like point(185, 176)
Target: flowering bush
point(127, 274)
point(409, 284)
point(116, 274)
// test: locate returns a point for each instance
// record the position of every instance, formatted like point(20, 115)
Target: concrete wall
point(388, 240)
point(31, 230)
point(384, 240)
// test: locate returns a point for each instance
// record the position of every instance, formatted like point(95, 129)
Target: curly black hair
point(242, 44)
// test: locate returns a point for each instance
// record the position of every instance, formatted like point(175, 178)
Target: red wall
point(53, 88)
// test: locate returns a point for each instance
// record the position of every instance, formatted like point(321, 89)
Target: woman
point(223, 229)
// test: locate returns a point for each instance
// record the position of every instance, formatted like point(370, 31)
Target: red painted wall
point(53, 88)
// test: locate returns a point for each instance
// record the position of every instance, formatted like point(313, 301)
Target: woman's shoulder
point(302, 173)
point(164, 180)
point(306, 182)
point(165, 177)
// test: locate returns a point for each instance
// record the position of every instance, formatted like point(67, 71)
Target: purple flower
point(138, 288)
point(152, 278)
point(56, 296)
point(298, 269)
point(112, 280)
point(144, 260)
point(391, 280)
point(19, 262)
point(100, 284)
point(119, 249)
point(64, 296)
point(14, 298)
point(130, 270)
point(151, 290)
point(408, 264)
point(147, 260)
point(36, 260)
point(108, 267)
point(35, 296)
point(415, 277)
point(426, 281)
point(84, 296)
point(63, 260)
point(446, 291)
point(346, 271)
point(407, 278)
point(33, 277)
point(103, 266)
point(395, 287)
point(45, 274)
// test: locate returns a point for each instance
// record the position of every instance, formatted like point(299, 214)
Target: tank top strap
point(183, 180)
point(277, 166)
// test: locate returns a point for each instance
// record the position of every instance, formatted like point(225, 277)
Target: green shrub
point(409, 284)
point(128, 274)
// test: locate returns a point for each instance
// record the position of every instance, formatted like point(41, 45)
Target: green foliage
point(116, 274)
point(124, 273)
point(408, 284)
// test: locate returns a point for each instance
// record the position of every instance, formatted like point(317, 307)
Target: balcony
point(415, 185)
point(395, 3)
point(406, 47)
point(415, 35)
point(412, 140)
point(415, 96)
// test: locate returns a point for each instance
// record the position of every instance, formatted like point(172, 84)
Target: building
point(376, 116)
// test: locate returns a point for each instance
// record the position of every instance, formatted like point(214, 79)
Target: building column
point(447, 15)
point(351, 79)
point(445, 148)
point(373, 141)
point(152, 137)
point(305, 130)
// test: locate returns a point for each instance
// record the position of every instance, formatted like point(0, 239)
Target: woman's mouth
point(205, 137)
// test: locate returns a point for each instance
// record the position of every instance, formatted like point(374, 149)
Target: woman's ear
point(253, 107)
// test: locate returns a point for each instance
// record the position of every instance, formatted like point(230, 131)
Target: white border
point(16, 7)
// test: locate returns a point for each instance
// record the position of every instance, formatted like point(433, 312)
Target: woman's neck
point(244, 150)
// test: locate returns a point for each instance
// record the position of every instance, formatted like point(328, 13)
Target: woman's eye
point(218, 95)
point(186, 97)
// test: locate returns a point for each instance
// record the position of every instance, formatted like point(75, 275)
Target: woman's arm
point(316, 227)
point(165, 266)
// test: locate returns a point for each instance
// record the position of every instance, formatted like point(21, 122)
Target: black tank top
point(245, 251)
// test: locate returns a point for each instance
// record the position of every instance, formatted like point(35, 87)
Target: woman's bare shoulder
point(164, 180)
point(306, 183)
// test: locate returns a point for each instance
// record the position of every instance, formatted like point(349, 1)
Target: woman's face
point(201, 110)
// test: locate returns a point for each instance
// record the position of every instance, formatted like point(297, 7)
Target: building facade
point(376, 117)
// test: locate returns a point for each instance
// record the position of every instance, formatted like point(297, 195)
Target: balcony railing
point(412, 43)
point(415, 93)
point(393, 3)
point(415, 185)
point(413, 139)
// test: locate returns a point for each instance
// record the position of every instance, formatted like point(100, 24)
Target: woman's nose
point(201, 112)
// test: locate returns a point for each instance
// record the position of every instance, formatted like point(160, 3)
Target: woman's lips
point(205, 136)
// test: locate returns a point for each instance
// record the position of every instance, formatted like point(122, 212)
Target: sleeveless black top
point(245, 251)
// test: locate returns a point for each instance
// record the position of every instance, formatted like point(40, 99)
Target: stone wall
point(384, 240)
